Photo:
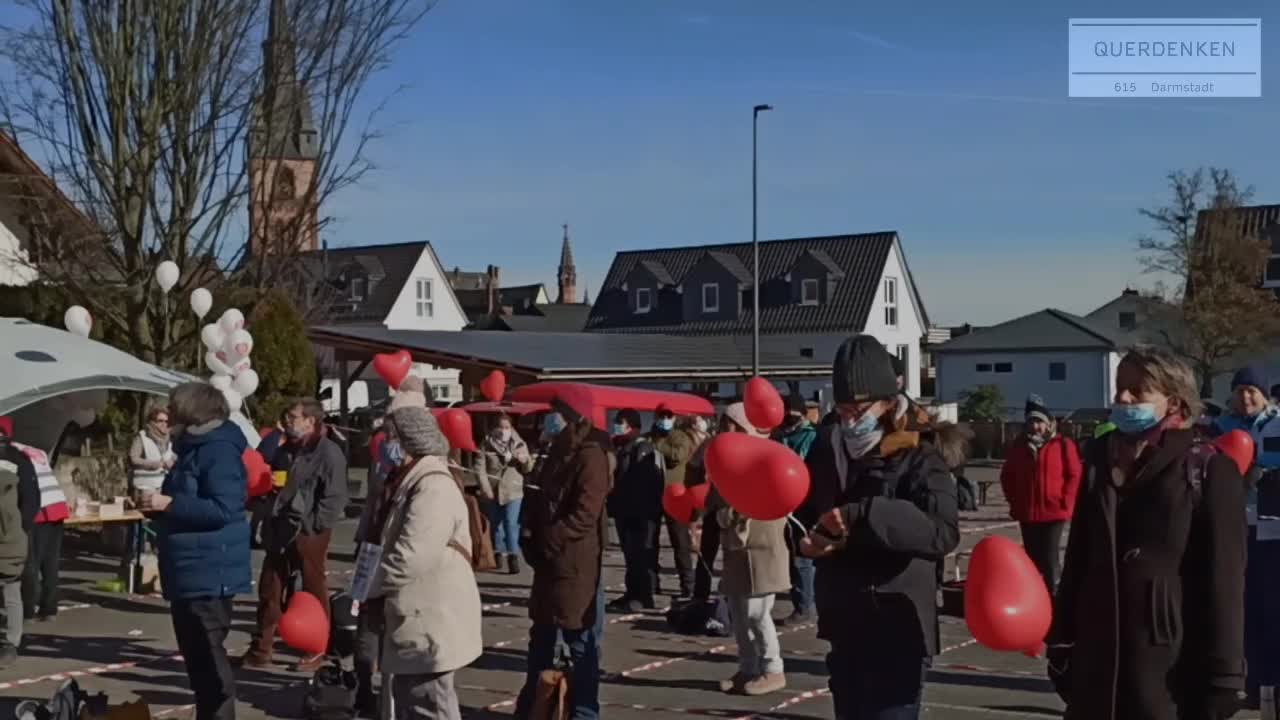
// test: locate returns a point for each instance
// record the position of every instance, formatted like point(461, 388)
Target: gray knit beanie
point(418, 432)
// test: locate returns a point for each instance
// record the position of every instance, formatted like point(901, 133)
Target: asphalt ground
point(124, 646)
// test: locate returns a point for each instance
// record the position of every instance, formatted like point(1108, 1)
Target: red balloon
point(494, 386)
point(305, 626)
point(258, 472)
point(763, 404)
point(263, 432)
point(1006, 604)
point(1238, 446)
point(677, 501)
point(699, 494)
point(393, 368)
point(759, 478)
point(455, 423)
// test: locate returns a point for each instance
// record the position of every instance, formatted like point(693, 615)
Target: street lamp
point(755, 248)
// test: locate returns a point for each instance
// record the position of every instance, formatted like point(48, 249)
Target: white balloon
point(201, 302)
point(234, 399)
point(222, 382)
point(78, 320)
point(231, 321)
point(246, 383)
point(239, 366)
point(167, 275)
point(212, 337)
point(239, 344)
point(216, 364)
point(84, 416)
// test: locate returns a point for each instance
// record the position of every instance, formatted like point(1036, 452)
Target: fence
point(991, 438)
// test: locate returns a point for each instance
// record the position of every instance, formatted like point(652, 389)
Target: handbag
point(331, 694)
point(551, 694)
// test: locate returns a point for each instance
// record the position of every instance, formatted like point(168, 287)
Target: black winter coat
point(637, 489)
point(900, 508)
point(1151, 604)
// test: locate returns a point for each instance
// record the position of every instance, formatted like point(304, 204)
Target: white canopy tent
point(49, 376)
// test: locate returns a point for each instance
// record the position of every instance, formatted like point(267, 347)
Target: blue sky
point(631, 121)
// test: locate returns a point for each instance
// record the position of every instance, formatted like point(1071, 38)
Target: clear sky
point(631, 121)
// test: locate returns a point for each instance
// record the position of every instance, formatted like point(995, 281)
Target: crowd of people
point(1149, 617)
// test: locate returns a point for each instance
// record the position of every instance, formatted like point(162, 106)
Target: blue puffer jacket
point(203, 535)
point(1265, 431)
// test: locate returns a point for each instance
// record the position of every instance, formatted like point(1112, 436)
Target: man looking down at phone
point(882, 511)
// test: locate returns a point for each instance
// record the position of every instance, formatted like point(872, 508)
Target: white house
point(1067, 360)
point(814, 292)
point(400, 286)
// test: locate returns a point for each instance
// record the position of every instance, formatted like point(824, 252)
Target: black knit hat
point(1037, 410)
point(862, 371)
point(797, 404)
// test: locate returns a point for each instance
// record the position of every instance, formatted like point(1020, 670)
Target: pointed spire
point(284, 126)
point(566, 250)
point(586, 296)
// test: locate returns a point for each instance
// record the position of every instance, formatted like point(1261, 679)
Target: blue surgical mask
point(863, 426)
point(552, 425)
point(1134, 419)
point(392, 454)
point(666, 424)
point(620, 430)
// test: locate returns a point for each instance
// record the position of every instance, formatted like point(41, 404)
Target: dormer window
point(809, 291)
point(356, 289)
point(644, 300)
point(710, 297)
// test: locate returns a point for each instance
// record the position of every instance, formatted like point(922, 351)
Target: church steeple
point(283, 125)
point(567, 274)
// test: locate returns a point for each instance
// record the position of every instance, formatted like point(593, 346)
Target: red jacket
point(1041, 487)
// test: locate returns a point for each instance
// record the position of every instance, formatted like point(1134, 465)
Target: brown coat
point(1149, 617)
point(562, 519)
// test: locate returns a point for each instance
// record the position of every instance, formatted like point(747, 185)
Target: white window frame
point(357, 289)
point(891, 302)
point(426, 307)
point(647, 305)
point(1270, 282)
point(708, 307)
point(805, 284)
point(1065, 374)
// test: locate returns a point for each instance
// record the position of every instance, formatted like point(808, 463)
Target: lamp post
point(755, 247)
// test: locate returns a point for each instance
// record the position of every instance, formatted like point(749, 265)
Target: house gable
point(712, 289)
point(413, 310)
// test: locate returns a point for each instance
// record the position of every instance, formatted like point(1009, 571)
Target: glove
point(1059, 657)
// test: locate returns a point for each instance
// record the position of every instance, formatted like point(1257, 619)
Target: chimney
point(492, 291)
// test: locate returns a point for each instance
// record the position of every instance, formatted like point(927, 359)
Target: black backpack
point(331, 694)
point(701, 617)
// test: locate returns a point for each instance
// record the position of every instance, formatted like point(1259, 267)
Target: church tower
point(283, 148)
point(567, 276)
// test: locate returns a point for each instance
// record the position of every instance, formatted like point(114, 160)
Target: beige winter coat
point(432, 601)
point(755, 554)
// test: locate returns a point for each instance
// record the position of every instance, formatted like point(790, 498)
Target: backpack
point(331, 694)
point(701, 617)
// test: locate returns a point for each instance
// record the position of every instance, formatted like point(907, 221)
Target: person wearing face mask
point(501, 466)
point(1252, 411)
point(882, 508)
point(1040, 478)
point(798, 434)
point(297, 533)
point(1148, 620)
point(675, 446)
point(635, 503)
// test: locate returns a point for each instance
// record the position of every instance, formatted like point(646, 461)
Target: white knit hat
point(412, 393)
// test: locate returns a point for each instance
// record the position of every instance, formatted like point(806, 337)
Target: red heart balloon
point(1006, 604)
point(494, 386)
point(763, 404)
point(258, 472)
point(1238, 446)
point(263, 432)
point(699, 495)
point(393, 368)
point(455, 423)
point(678, 503)
point(759, 478)
point(305, 625)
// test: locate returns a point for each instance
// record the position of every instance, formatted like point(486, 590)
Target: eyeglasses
point(161, 421)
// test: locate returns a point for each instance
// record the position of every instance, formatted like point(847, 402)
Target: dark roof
point(520, 296)
point(1045, 330)
point(1255, 219)
point(658, 271)
point(734, 265)
point(1152, 317)
point(826, 261)
point(553, 317)
point(464, 280)
point(859, 258)
point(387, 268)
point(588, 356)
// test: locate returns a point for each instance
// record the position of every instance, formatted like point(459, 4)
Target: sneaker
point(310, 664)
point(513, 564)
point(499, 563)
point(46, 617)
point(8, 655)
point(798, 617)
point(765, 684)
point(255, 659)
point(624, 605)
point(735, 683)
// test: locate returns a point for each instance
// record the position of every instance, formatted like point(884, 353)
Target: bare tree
point(1218, 312)
point(161, 120)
